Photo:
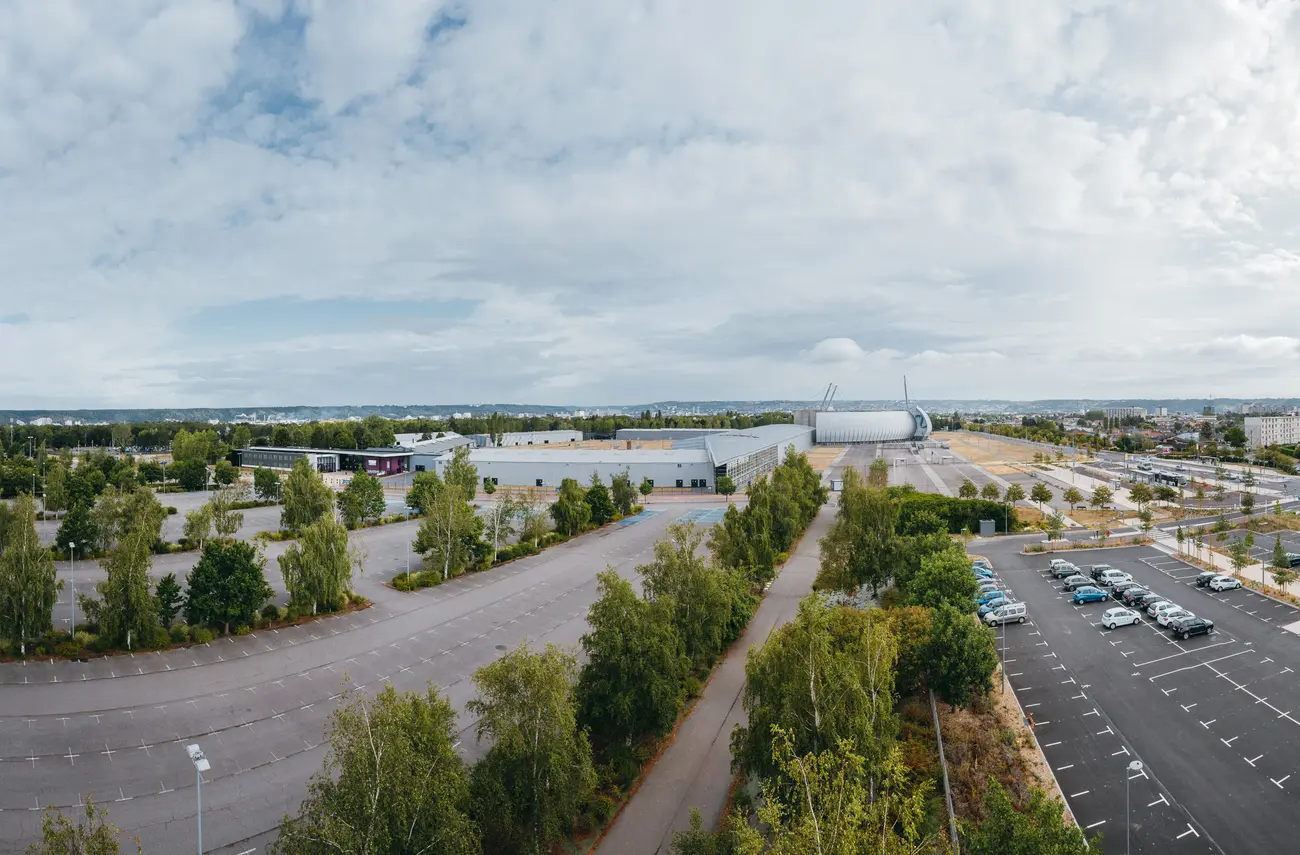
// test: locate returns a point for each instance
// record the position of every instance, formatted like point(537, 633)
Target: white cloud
point(650, 201)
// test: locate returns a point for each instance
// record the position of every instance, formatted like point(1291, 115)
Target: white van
point(1111, 576)
point(1010, 613)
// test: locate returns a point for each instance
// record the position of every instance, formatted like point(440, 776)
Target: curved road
point(258, 704)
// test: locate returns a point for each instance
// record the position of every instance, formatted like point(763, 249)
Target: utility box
point(837, 484)
point(988, 528)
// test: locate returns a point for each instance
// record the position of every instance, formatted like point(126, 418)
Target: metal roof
point(725, 447)
point(447, 443)
point(373, 452)
point(543, 454)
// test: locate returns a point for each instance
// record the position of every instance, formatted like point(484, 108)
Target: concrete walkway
point(695, 770)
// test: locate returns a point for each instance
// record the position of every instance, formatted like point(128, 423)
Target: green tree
point(1165, 493)
point(597, 498)
point(1235, 436)
point(362, 500)
point(991, 492)
point(95, 836)
point(266, 484)
point(1055, 525)
point(725, 486)
point(460, 472)
point(835, 802)
point(961, 656)
point(1239, 555)
point(225, 519)
point(224, 473)
point(77, 527)
point(1101, 497)
point(570, 509)
point(1247, 503)
point(306, 497)
point(242, 437)
point(1041, 493)
point(191, 474)
point(227, 585)
point(967, 490)
point(424, 486)
point(861, 546)
point(1015, 493)
point(1072, 496)
point(168, 595)
point(149, 472)
point(537, 775)
point(1141, 495)
point(451, 534)
point(646, 488)
point(56, 488)
point(944, 578)
point(28, 588)
point(826, 676)
point(622, 493)
point(1039, 829)
point(377, 432)
point(878, 473)
point(128, 614)
point(1146, 519)
point(500, 520)
point(392, 782)
point(317, 569)
point(1280, 559)
point(631, 685)
point(698, 597)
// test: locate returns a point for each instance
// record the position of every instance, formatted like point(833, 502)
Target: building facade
point(1126, 412)
point(376, 461)
point(528, 437)
point(870, 426)
point(1263, 431)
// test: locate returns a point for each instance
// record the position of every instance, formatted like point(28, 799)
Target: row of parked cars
point(1101, 582)
point(995, 605)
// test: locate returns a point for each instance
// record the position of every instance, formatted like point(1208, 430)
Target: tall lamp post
point(72, 557)
point(201, 765)
point(1134, 768)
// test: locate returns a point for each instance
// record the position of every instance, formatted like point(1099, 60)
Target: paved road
point(1214, 719)
point(695, 770)
point(258, 704)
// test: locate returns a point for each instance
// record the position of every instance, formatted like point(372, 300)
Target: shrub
point(69, 650)
point(180, 634)
point(242, 629)
point(202, 635)
point(291, 613)
point(270, 611)
point(1035, 547)
point(84, 639)
point(171, 511)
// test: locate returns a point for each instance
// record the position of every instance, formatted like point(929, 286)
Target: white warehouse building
point(743, 455)
point(835, 426)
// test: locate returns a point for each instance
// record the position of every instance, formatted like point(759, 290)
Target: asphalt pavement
point(1214, 719)
point(258, 704)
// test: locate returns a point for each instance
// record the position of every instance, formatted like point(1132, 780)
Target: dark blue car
point(1089, 594)
point(993, 604)
point(985, 598)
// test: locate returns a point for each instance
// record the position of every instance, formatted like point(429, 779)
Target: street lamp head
point(1135, 766)
point(196, 757)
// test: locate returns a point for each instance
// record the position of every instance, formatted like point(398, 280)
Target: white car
point(1112, 618)
point(1172, 614)
point(1151, 606)
point(1156, 609)
point(1224, 583)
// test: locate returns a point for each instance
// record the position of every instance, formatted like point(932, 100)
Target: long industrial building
point(692, 463)
point(833, 426)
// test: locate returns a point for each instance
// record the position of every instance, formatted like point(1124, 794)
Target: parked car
point(1185, 628)
point(1203, 579)
point(1154, 609)
point(1010, 613)
point(1143, 600)
point(1057, 562)
point(1168, 615)
point(989, 585)
point(1131, 594)
point(1064, 569)
point(1088, 594)
point(995, 603)
point(1120, 587)
point(1119, 616)
point(982, 562)
point(1109, 580)
point(1076, 581)
point(985, 597)
point(1224, 583)
point(1293, 559)
point(1097, 570)
point(982, 572)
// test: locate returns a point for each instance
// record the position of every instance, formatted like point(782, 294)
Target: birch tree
point(28, 588)
point(317, 570)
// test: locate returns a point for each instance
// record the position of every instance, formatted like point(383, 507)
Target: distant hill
point(403, 411)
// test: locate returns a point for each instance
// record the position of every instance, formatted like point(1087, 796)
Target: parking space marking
point(1160, 801)
point(1280, 782)
point(1095, 824)
point(1189, 830)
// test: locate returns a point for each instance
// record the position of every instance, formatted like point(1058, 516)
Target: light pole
point(1135, 767)
point(201, 765)
point(72, 557)
point(1004, 657)
point(408, 562)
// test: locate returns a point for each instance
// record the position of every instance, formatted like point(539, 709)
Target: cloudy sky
point(259, 202)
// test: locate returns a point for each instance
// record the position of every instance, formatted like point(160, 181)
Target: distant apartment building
point(1126, 412)
point(1162, 411)
point(1247, 409)
point(1272, 430)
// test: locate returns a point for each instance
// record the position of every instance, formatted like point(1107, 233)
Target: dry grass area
point(820, 457)
point(1269, 523)
point(991, 738)
point(988, 448)
point(1094, 518)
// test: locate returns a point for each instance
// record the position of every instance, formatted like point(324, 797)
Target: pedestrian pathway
point(695, 769)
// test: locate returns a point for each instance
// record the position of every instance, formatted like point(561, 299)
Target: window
point(539, 482)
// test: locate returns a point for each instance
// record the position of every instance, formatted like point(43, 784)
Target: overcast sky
point(259, 202)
